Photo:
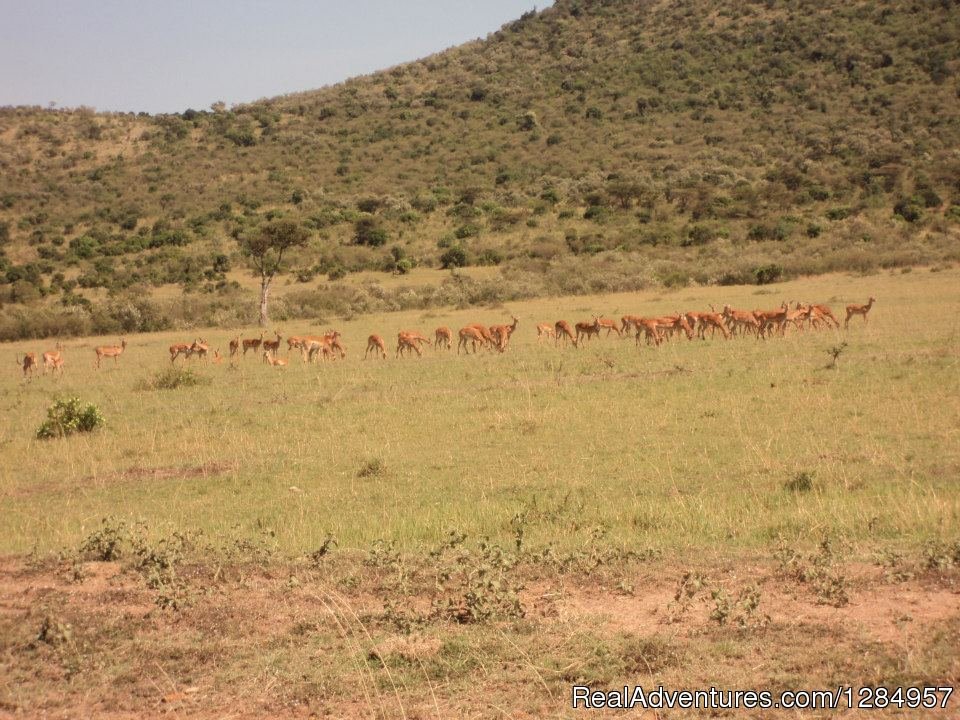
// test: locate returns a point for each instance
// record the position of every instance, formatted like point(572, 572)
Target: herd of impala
point(653, 330)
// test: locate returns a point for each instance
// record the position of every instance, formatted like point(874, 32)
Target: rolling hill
point(591, 147)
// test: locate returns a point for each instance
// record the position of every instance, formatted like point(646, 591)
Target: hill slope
point(590, 147)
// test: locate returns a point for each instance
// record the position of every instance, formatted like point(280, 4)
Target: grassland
point(712, 512)
point(645, 143)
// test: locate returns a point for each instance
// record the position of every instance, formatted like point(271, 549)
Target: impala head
point(871, 301)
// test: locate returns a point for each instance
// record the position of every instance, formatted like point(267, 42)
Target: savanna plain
point(469, 536)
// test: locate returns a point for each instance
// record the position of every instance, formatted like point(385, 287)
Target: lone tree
point(265, 247)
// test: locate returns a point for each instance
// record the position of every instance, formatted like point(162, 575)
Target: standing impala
point(853, 310)
point(53, 360)
point(28, 363)
point(114, 351)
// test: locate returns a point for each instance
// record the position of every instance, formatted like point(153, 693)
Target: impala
point(217, 357)
point(276, 362)
point(587, 329)
point(858, 310)
point(715, 322)
point(484, 331)
point(235, 346)
point(742, 319)
point(376, 345)
point(650, 328)
point(178, 349)
point(200, 348)
point(28, 363)
point(313, 345)
point(252, 344)
point(544, 330)
point(293, 341)
point(501, 334)
point(562, 331)
point(470, 334)
point(54, 359)
point(410, 339)
point(272, 346)
point(823, 312)
point(443, 338)
point(114, 351)
point(610, 326)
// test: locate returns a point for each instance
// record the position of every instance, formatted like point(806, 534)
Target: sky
point(165, 56)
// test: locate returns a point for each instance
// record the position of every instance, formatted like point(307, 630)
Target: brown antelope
point(333, 337)
point(200, 348)
point(114, 351)
point(485, 332)
point(53, 360)
point(501, 334)
point(650, 328)
point(587, 329)
point(796, 317)
point(178, 349)
point(741, 319)
point(824, 314)
point(771, 319)
point(275, 361)
point(628, 321)
point(562, 331)
point(675, 323)
point(28, 363)
point(858, 310)
point(470, 334)
point(235, 346)
point(610, 326)
point(217, 357)
point(252, 343)
point(313, 345)
point(443, 338)
point(293, 341)
point(715, 322)
point(376, 345)
point(545, 330)
point(272, 346)
point(410, 339)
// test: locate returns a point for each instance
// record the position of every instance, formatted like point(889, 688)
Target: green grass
point(688, 449)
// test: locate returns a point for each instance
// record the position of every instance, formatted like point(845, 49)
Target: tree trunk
point(264, 297)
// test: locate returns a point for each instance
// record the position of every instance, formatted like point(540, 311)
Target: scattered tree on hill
point(265, 248)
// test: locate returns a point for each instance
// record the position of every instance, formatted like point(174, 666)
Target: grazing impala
point(235, 346)
point(375, 344)
point(410, 339)
point(178, 349)
point(443, 338)
point(294, 341)
point(28, 363)
point(200, 347)
point(609, 325)
point(742, 319)
point(252, 343)
point(822, 313)
point(771, 319)
point(714, 321)
point(587, 330)
point(563, 332)
point(485, 332)
point(858, 310)
point(114, 351)
point(650, 328)
point(545, 330)
point(53, 360)
point(628, 321)
point(313, 345)
point(472, 335)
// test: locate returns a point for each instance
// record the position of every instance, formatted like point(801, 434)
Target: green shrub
point(172, 378)
point(67, 416)
point(909, 209)
point(454, 257)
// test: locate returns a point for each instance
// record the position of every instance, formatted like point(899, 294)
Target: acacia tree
point(265, 248)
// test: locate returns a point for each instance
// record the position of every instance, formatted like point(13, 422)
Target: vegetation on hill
point(591, 147)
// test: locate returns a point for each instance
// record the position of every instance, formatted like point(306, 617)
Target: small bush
point(172, 378)
point(69, 416)
point(454, 257)
point(800, 483)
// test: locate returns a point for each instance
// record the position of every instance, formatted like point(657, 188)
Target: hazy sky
point(170, 55)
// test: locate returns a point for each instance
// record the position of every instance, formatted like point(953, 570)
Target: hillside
point(591, 147)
